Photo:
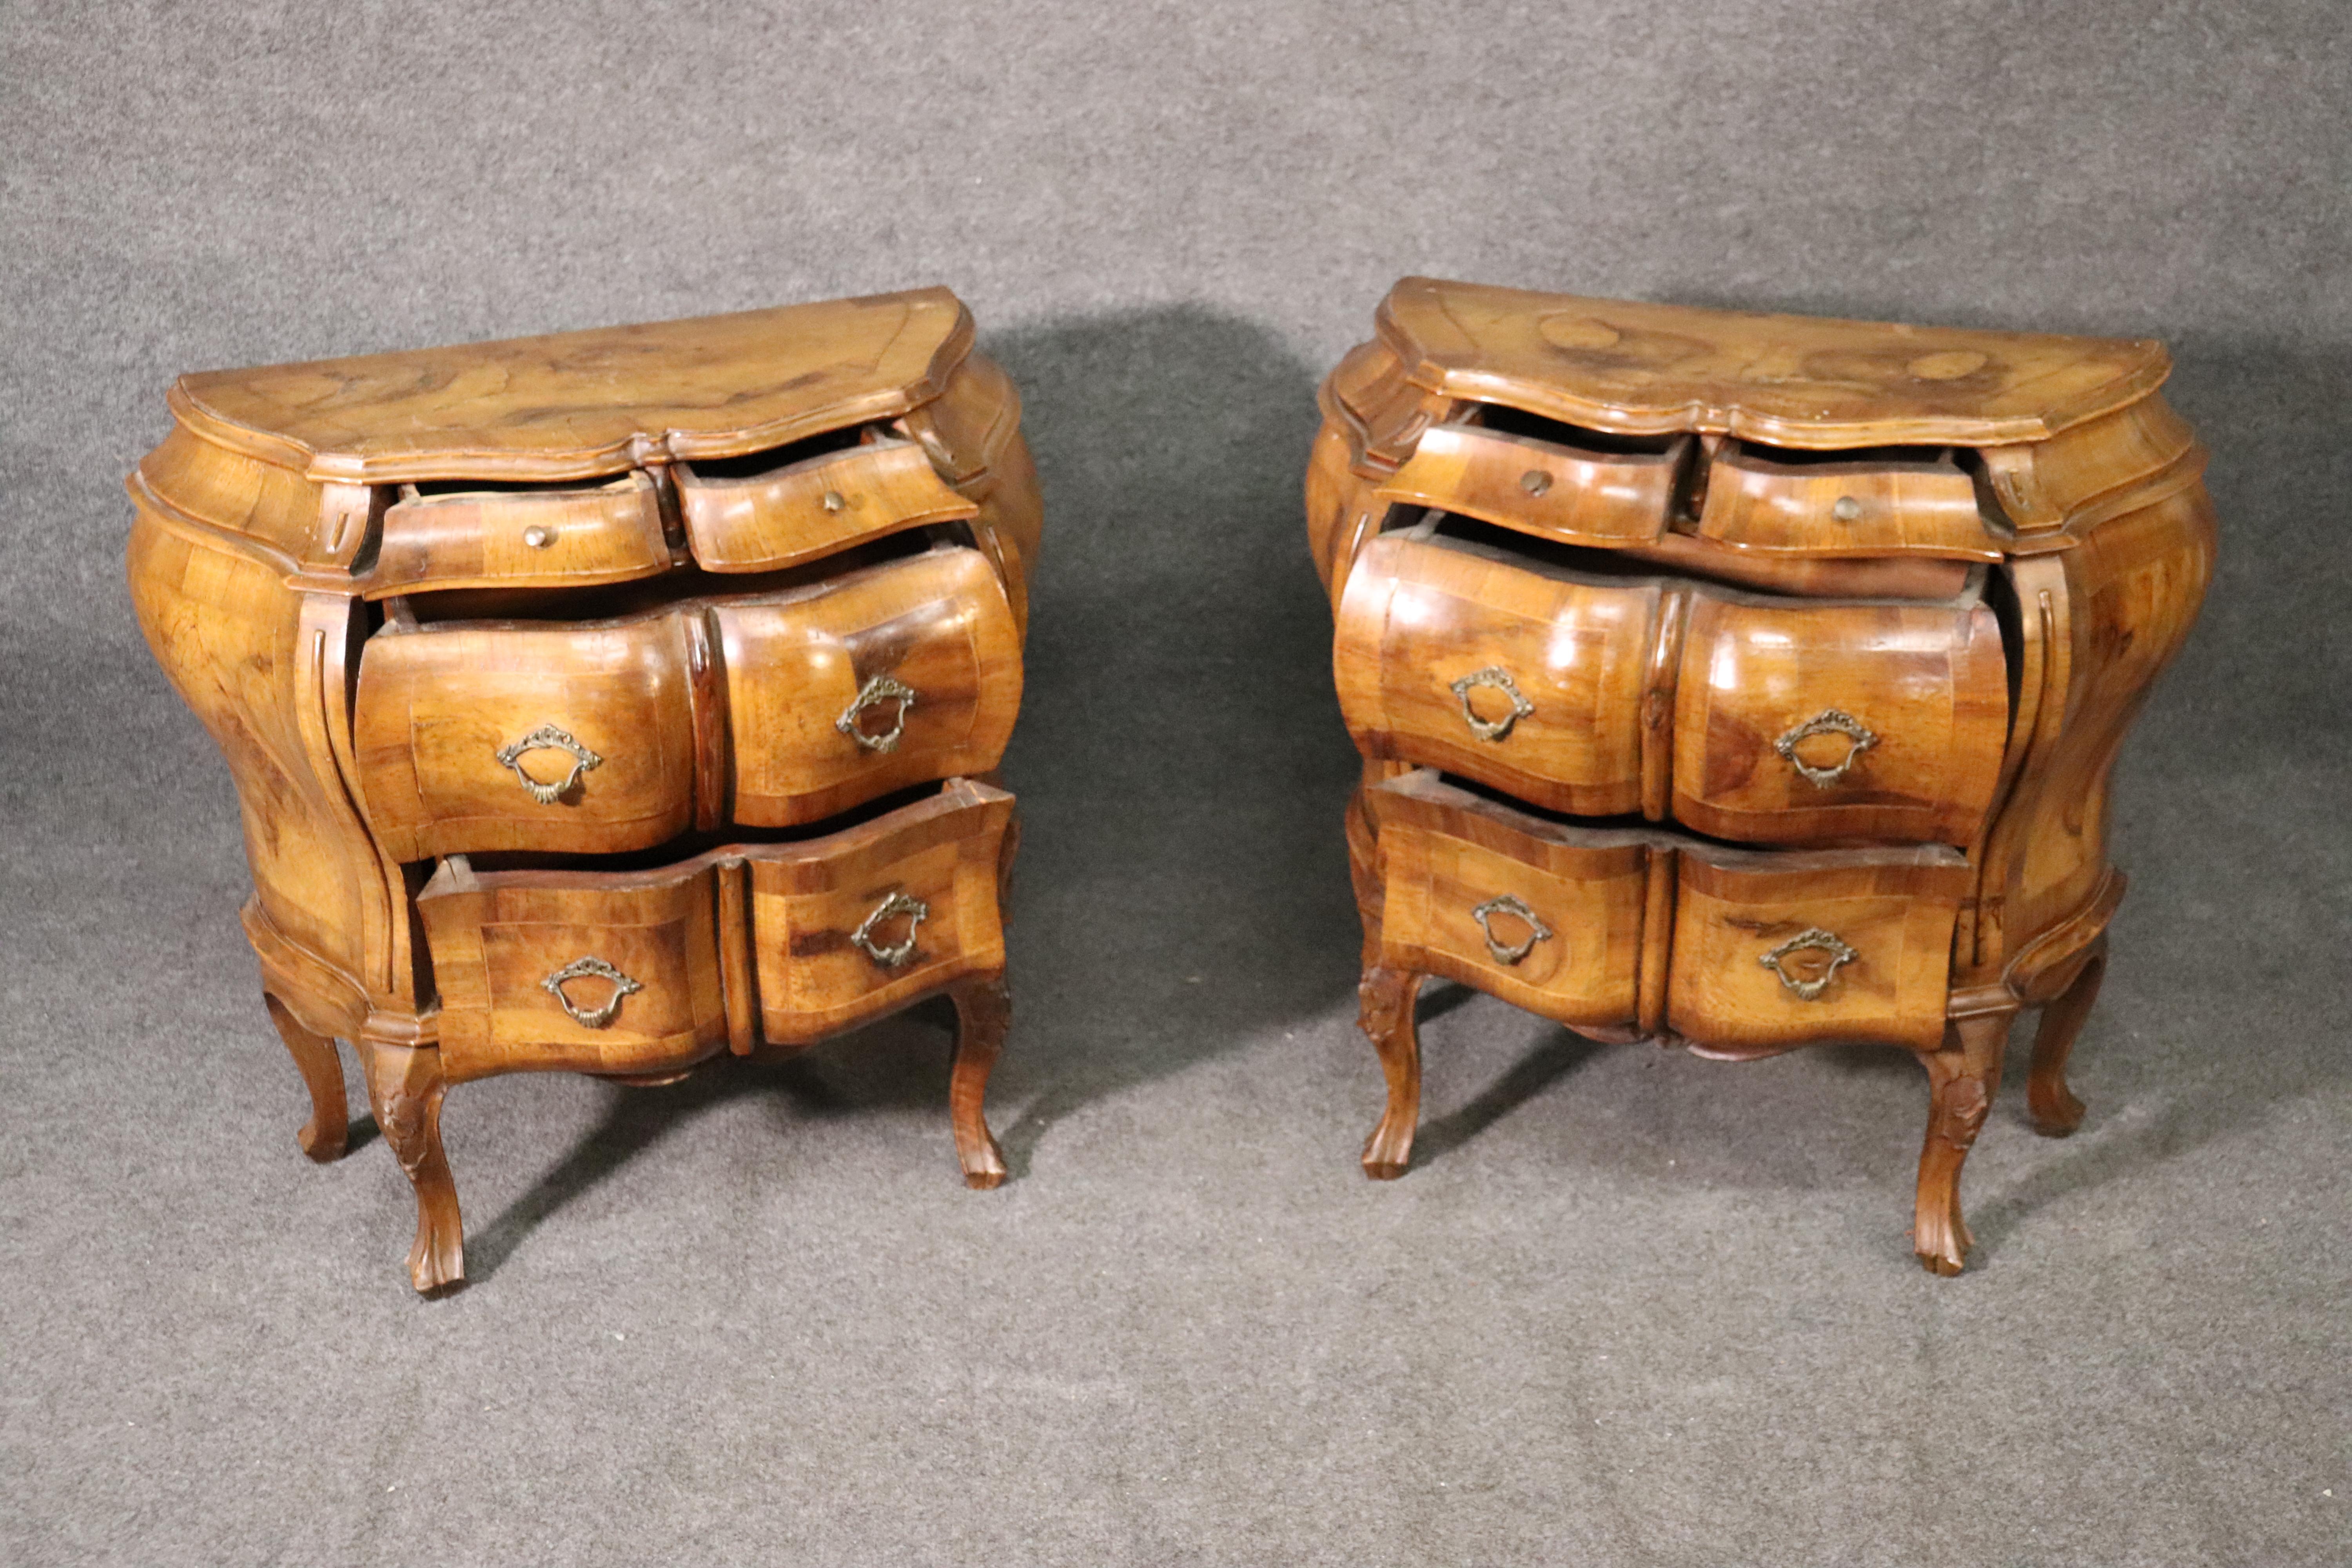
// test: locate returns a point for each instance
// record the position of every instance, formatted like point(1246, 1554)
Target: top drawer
point(522, 537)
point(767, 521)
point(1579, 495)
point(1898, 502)
point(732, 515)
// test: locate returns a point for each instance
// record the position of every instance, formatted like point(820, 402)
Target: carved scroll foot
point(983, 1011)
point(2049, 1103)
point(405, 1087)
point(1962, 1078)
point(1385, 1000)
point(326, 1135)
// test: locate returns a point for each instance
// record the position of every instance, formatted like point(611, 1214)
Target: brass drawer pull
point(547, 738)
point(1814, 939)
point(891, 957)
point(1500, 679)
point(581, 968)
point(1509, 905)
point(1828, 722)
point(873, 694)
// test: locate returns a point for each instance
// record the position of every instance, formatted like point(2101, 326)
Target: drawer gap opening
point(768, 460)
point(616, 601)
point(687, 845)
point(1506, 420)
point(1843, 457)
point(1677, 834)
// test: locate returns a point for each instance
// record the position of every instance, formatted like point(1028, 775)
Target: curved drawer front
point(1525, 681)
point(573, 739)
point(522, 539)
point(858, 923)
point(1540, 487)
point(581, 972)
point(597, 738)
point(1844, 509)
point(1838, 722)
point(1859, 945)
point(1548, 918)
point(883, 677)
point(813, 507)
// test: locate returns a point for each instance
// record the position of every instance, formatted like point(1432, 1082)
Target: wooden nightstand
point(1747, 682)
point(606, 701)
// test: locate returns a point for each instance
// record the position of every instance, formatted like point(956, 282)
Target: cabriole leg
point(1962, 1078)
point(983, 1011)
point(404, 1087)
point(1385, 999)
point(2049, 1102)
point(323, 1137)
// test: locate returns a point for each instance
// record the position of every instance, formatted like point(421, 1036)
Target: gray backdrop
point(1628, 1308)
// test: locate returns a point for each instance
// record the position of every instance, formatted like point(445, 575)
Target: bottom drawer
point(647, 971)
point(1739, 952)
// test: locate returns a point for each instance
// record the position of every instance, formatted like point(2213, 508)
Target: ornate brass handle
point(1828, 722)
point(547, 738)
point(891, 957)
point(873, 694)
point(1509, 905)
point(1498, 678)
point(1814, 939)
point(581, 968)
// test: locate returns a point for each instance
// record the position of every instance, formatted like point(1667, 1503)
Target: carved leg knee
point(326, 1135)
point(1385, 998)
point(405, 1087)
point(983, 1012)
point(1962, 1078)
point(2049, 1102)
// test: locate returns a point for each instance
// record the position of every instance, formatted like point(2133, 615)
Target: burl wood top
point(570, 404)
point(1797, 381)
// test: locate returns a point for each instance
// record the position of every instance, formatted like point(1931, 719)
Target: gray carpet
point(1629, 1307)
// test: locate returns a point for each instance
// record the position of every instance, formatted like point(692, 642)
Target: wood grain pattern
point(548, 539)
point(1854, 510)
point(813, 507)
point(759, 681)
point(541, 478)
point(572, 405)
point(808, 899)
point(1416, 616)
point(497, 936)
point(1446, 852)
point(1952, 643)
point(1893, 908)
point(1927, 684)
point(1543, 487)
point(1796, 381)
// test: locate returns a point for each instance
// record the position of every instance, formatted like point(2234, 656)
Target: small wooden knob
point(536, 537)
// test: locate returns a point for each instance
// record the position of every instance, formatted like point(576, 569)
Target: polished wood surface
point(1773, 721)
point(811, 507)
point(1795, 381)
point(761, 711)
point(1878, 636)
point(444, 606)
point(1853, 511)
point(570, 404)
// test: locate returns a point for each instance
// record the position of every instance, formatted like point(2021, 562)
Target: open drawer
point(1600, 691)
point(641, 972)
point(1740, 952)
point(764, 711)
